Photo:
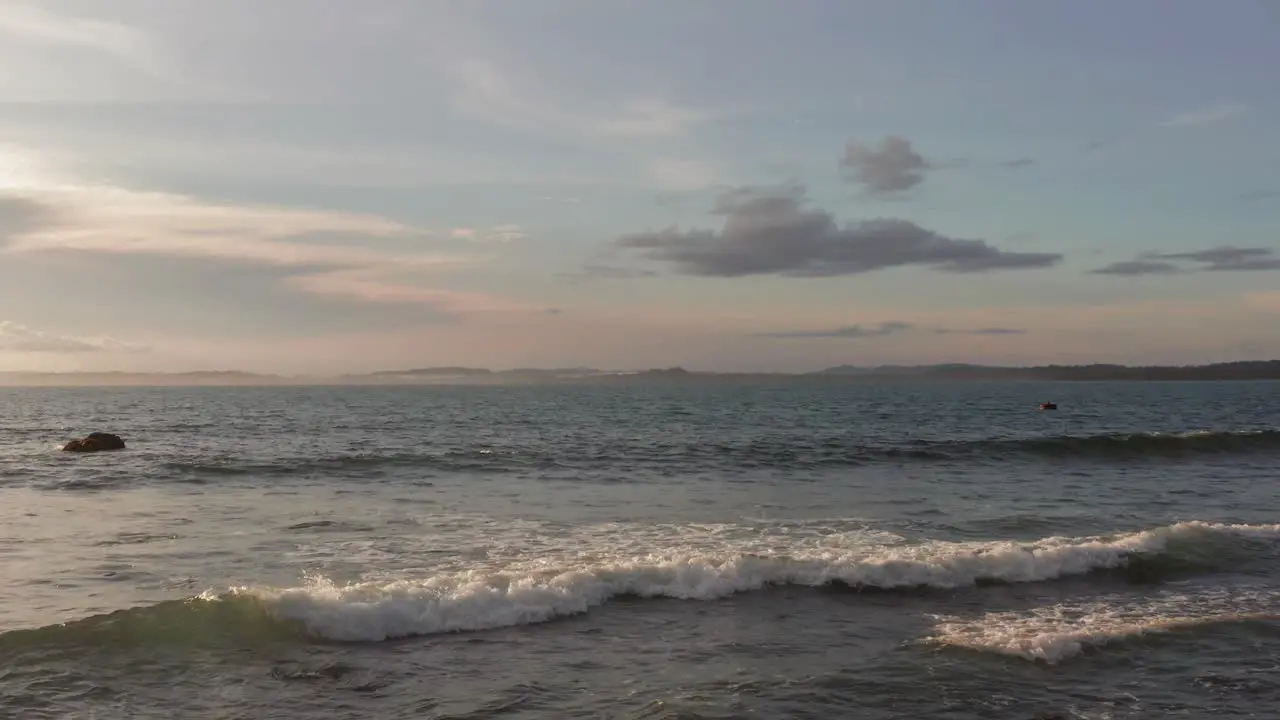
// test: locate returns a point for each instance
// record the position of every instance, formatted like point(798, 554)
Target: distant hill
point(449, 375)
point(432, 372)
point(1248, 370)
point(176, 379)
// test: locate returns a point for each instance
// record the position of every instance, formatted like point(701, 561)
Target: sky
point(737, 185)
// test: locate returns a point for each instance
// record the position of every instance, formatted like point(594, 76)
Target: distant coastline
point(953, 372)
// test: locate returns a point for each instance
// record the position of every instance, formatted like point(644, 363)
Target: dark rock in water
point(94, 442)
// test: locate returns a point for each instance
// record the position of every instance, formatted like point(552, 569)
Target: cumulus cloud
point(16, 337)
point(771, 231)
point(1222, 258)
point(848, 332)
point(892, 168)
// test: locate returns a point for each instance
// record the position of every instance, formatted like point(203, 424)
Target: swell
point(541, 590)
point(370, 462)
point(788, 453)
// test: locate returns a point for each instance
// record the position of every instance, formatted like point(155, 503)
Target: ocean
point(631, 550)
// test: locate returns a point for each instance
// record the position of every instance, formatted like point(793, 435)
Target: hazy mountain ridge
point(1242, 370)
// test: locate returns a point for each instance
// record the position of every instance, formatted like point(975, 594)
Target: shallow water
point(772, 550)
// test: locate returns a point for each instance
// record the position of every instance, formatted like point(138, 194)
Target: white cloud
point(36, 23)
point(680, 174)
point(485, 91)
point(1206, 116)
point(496, 233)
point(653, 117)
point(349, 263)
point(372, 285)
point(114, 220)
point(16, 337)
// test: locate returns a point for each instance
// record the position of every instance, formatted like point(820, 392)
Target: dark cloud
point(892, 168)
point(612, 272)
point(850, 331)
point(19, 215)
point(1018, 162)
point(1218, 259)
point(981, 331)
point(1229, 258)
point(605, 272)
point(886, 328)
point(770, 231)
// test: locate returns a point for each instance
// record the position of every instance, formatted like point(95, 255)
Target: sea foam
point(1058, 632)
point(525, 591)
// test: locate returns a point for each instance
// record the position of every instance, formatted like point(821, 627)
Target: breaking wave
point(1055, 633)
point(527, 591)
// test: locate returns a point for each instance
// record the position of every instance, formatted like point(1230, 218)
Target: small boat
point(1048, 406)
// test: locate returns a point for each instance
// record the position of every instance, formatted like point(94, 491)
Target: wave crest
point(533, 591)
point(523, 591)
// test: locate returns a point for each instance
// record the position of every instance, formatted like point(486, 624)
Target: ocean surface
point(778, 550)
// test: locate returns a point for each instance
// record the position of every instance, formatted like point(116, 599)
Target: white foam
point(1055, 633)
point(511, 587)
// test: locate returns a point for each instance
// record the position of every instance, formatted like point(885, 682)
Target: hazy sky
point(297, 186)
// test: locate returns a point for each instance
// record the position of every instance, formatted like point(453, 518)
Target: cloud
point(1018, 162)
point(649, 117)
point(1137, 267)
point(886, 328)
point(486, 91)
point(494, 234)
point(612, 272)
point(981, 331)
point(325, 253)
point(372, 285)
point(36, 23)
point(1229, 258)
point(1260, 195)
point(892, 168)
point(1205, 116)
point(114, 220)
point(680, 174)
point(1223, 258)
point(771, 232)
point(848, 332)
point(16, 337)
point(20, 214)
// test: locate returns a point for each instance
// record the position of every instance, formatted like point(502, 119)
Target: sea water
point(630, 550)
